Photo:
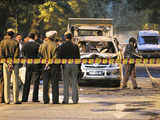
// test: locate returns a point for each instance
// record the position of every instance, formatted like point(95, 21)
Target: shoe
point(137, 88)
point(46, 102)
point(24, 100)
point(2, 101)
point(123, 87)
point(7, 103)
point(18, 102)
point(35, 101)
point(55, 102)
point(75, 102)
point(64, 102)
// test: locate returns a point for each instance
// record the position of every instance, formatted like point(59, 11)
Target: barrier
point(79, 61)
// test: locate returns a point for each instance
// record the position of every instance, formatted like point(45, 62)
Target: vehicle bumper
point(107, 75)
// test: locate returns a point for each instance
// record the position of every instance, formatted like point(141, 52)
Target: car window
point(151, 39)
point(97, 47)
point(90, 32)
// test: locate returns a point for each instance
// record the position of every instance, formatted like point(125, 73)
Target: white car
point(95, 39)
point(99, 47)
point(148, 43)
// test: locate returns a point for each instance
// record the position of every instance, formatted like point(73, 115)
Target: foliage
point(42, 15)
point(150, 5)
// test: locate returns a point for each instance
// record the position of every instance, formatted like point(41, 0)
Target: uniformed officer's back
point(47, 49)
point(9, 47)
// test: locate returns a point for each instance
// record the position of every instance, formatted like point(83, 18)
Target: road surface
point(96, 103)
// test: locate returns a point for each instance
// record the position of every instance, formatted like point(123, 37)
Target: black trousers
point(1, 84)
point(31, 73)
point(51, 76)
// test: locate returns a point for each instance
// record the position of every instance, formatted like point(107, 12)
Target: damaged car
point(99, 48)
point(94, 37)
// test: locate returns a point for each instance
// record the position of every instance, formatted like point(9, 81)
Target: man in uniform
point(10, 49)
point(48, 51)
point(69, 50)
point(130, 71)
point(30, 50)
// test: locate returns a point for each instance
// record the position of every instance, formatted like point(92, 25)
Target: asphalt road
point(141, 71)
point(96, 103)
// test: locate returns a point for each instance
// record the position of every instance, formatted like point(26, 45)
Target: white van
point(148, 43)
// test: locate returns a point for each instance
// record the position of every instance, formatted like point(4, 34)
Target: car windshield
point(149, 40)
point(96, 47)
point(90, 32)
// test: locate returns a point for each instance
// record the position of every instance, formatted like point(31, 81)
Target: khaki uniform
point(10, 49)
point(48, 50)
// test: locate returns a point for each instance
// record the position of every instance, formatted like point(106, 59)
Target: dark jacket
point(30, 49)
point(69, 50)
point(130, 52)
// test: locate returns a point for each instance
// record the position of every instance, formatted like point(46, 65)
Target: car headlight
point(83, 68)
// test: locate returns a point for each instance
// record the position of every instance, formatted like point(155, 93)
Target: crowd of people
point(12, 46)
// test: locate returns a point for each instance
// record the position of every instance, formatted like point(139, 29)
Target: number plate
point(95, 73)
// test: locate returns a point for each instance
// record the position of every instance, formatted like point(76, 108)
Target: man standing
point(9, 49)
point(69, 50)
point(30, 50)
point(130, 52)
point(48, 51)
point(1, 82)
point(21, 43)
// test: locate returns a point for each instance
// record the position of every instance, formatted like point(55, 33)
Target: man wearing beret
point(48, 51)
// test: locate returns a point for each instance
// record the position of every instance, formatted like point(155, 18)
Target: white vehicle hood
point(97, 55)
point(148, 47)
point(94, 38)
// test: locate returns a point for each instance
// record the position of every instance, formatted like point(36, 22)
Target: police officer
point(10, 49)
point(48, 50)
point(69, 50)
point(130, 52)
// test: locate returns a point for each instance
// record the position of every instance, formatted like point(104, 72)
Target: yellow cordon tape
point(79, 61)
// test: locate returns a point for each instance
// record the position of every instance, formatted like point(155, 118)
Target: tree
point(43, 15)
point(151, 5)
